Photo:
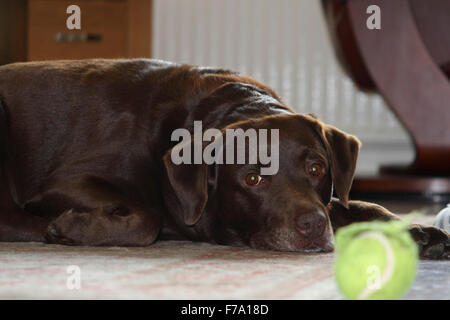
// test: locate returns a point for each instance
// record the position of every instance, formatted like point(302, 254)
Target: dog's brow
point(313, 152)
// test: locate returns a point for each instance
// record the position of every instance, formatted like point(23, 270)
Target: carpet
point(182, 270)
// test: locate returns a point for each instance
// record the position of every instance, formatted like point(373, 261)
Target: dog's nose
point(311, 224)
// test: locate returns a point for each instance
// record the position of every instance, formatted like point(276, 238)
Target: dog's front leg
point(94, 212)
point(434, 243)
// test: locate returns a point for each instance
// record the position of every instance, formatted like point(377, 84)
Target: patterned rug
point(181, 270)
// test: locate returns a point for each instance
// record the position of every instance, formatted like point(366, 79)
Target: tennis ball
point(375, 260)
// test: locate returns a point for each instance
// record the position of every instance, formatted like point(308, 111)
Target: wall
point(283, 43)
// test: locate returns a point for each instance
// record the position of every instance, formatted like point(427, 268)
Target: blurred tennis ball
point(375, 260)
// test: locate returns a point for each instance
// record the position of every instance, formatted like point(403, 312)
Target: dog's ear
point(189, 183)
point(343, 152)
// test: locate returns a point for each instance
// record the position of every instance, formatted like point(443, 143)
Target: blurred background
point(288, 44)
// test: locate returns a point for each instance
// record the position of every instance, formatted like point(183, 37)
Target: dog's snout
point(311, 224)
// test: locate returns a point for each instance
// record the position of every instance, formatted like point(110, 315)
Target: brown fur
point(85, 160)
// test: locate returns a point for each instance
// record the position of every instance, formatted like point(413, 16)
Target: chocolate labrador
point(85, 160)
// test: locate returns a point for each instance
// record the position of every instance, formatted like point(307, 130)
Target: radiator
point(285, 44)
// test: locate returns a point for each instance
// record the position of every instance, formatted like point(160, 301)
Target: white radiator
point(285, 44)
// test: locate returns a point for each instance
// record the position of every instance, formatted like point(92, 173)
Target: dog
point(85, 160)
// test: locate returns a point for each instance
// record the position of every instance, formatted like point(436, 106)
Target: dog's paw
point(434, 243)
point(110, 225)
point(68, 228)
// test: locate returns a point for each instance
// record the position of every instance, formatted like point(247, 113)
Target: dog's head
point(287, 211)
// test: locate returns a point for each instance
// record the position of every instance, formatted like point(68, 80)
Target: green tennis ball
point(375, 260)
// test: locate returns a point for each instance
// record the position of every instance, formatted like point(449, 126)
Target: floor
point(183, 270)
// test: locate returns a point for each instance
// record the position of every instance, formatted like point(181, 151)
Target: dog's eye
point(315, 170)
point(253, 179)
